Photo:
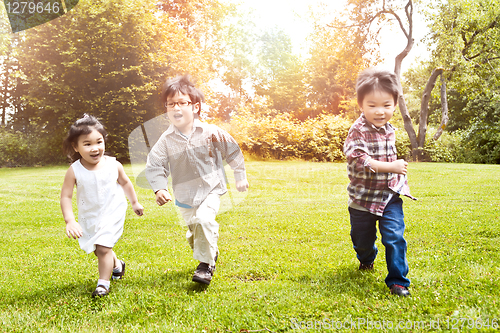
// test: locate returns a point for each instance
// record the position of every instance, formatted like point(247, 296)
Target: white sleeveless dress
point(102, 204)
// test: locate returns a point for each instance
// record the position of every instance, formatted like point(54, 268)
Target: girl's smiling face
point(91, 148)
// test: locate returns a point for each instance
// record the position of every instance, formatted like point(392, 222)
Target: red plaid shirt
point(369, 189)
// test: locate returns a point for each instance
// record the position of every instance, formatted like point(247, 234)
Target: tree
point(338, 50)
point(464, 37)
point(106, 58)
point(237, 53)
point(280, 75)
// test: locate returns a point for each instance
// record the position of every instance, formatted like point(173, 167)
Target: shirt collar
point(172, 129)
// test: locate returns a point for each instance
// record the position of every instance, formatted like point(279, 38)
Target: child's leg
point(392, 228)
point(364, 235)
point(105, 261)
point(203, 230)
point(116, 262)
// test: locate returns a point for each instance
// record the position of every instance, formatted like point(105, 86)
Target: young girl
point(100, 184)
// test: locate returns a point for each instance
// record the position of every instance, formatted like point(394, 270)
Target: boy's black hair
point(82, 126)
point(183, 85)
point(372, 79)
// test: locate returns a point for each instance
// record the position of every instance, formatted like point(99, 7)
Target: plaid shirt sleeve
point(357, 150)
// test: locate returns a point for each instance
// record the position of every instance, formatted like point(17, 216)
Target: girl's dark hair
point(183, 85)
point(373, 79)
point(82, 126)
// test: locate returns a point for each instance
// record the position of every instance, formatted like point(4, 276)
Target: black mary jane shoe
point(100, 291)
point(119, 276)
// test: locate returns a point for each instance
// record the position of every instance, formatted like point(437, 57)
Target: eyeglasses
point(182, 104)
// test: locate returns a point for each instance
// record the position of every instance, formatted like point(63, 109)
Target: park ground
point(286, 261)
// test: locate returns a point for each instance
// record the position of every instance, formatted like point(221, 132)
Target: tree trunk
point(424, 106)
point(397, 69)
point(444, 108)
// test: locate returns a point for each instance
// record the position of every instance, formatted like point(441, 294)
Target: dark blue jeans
point(391, 226)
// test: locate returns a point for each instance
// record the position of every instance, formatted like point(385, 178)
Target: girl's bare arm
point(73, 228)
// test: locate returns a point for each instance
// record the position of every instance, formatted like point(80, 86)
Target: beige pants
point(203, 230)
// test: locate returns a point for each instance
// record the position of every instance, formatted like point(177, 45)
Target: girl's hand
point(138, 209)
point(242, 185)
point(74, 230)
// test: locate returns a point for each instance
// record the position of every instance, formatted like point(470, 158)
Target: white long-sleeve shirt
point(195, 162)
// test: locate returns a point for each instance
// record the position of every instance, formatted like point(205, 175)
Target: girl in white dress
point(101, 184)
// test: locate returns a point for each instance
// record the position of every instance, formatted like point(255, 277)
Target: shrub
point(446, 149)
point(21, 149)
point(281, 136)
point(13, 148)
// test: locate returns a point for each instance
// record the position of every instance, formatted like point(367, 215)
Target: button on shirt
point(369, 189)
point(195, 162)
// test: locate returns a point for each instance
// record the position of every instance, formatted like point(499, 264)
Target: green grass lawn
point(286, 258)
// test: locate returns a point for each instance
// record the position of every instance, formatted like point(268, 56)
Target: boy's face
point(182, 116)
point(378, 107)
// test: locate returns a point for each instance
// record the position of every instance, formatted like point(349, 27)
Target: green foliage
point(403, 145)
point(281, 76)
point(281, 136)
point(107, 58)
point(13, 147)
point(448, 148)
point(478, 143)
point(21, 149)
point(483, 136)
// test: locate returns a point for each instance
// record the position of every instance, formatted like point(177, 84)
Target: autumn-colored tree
point(339, 50)
point(106, 58)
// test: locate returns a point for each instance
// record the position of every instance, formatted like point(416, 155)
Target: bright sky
point(292, 17)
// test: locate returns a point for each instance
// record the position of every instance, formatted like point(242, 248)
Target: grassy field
point(286, 259)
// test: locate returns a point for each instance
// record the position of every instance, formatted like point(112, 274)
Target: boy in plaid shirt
point(377, 179)
point(192, 152)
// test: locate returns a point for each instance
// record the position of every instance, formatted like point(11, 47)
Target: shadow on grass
point(350, 281)
point(167, 283)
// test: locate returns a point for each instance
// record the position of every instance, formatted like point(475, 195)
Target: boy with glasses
point(192, 152)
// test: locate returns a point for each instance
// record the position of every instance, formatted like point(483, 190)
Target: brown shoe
point(203, 273)
point(100, 291)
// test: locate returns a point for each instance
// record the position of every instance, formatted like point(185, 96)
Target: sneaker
point(203, 273)
point(367, 267)
point(399, 290)
point(100, 291)
point(118, 276)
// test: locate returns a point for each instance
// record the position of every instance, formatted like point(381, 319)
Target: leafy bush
point(13, 148)
point(403, 145)
point(280, 136)
point(21, 149)
point(448, 148)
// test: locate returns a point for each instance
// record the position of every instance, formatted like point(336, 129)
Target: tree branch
point(424, 106)
point(444, 109)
